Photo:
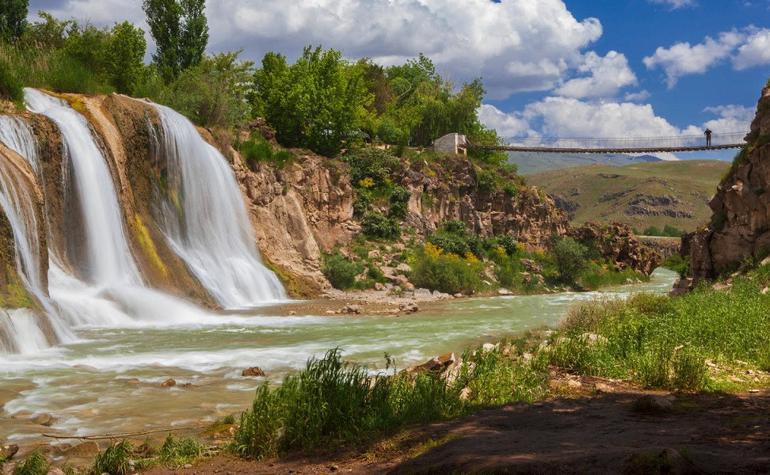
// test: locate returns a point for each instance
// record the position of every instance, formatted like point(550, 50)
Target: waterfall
point(23, 330)
point(109, 259)
point(206, 222)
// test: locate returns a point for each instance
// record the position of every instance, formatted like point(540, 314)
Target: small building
point(451, 143)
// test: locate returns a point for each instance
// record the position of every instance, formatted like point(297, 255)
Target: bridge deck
point(513, 148)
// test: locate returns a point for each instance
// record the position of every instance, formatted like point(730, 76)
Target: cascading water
point(206, 221)
point(23, 329)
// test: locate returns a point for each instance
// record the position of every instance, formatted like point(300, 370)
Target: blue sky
point(568, 68)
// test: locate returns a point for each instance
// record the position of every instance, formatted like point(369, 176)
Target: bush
point(340, 271)
point(177, 452)
point(436, 270)
point(256, 149)
point(454, 238)
point(11, 87)
point(115, 460)
point(34, 464)
point(378, 226)
point(678, 264)
point(399, 201)
point(570, 257)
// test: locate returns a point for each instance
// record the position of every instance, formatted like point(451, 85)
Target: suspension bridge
point(457, 143)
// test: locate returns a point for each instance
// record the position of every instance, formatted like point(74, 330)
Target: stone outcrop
point(740, 225)
point(618, 243)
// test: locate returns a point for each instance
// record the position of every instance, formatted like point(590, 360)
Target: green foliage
point(114, 460)
point(13, 19)
point(340, 270)
point(399, 200)
point(212, 93)
point(125, 56)
point(454, 238)
point(446, 272)
point(668, 231)
point(256, 149)
point(595, 275)
point(678, 264)
point(332, 402)
point(570, 257)
point(372, 163)
point(180, 30)
point(177, 452)
point(34, 464)
point(10, 86)
point(315, 103)
point(376, 225)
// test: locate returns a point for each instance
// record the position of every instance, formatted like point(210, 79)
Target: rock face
point(740, 225)
point(618, 243)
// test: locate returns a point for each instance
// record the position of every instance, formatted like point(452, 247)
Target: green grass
point(332, 402)
point(34, 464)
point(114, 460)
point(604, 193)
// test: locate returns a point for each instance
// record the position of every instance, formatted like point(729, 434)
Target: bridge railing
point(680, 141)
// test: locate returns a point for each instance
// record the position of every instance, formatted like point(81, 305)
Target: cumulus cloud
point(674, 4)
point(639, 96)
point(755, 51)
point(506, 125)
point(728, 119)
point(682, 59)
point(514, 45)
point(605, 77)
point(745, 48)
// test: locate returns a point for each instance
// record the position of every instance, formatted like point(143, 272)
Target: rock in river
point(253, 372)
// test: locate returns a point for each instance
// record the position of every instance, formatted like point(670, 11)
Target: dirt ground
point(600, 428)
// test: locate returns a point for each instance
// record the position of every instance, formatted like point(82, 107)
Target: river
point(109, 380)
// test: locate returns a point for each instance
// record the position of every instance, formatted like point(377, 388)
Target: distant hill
point(530, 163)
point(674, 193)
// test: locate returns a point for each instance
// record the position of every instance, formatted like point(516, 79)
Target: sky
point(557, 68)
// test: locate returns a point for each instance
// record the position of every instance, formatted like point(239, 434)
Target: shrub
point(176, 452)
point(570, 257)
point(454, 238)
point(678, 264)
point(256, 149)
point(399, 201)
point(11, 87)
point(115, 460)
point(436, 270)
point(376, 225)
point(487, 181)
point(340, 270)
point(34, 464)
point(689, 370)
point(373, 163)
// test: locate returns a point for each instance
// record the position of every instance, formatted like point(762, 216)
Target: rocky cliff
point(739, 230)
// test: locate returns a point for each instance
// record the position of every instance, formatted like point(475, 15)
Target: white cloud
point(506, 125)
point(729, 119)
point(755, 51)
point(514, 45)
point(639, 96)
point(606, 76)
point(682, 59)
point(674, 4)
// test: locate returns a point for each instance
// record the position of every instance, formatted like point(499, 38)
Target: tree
point(195, 33)
point(181, 33)
point(13, 19)
point(570, 258)
point(317, 102)
point(125, 56)
point(164, 16)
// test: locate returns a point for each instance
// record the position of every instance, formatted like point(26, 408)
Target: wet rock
point(504, 292)
point(8, 451)
point(439, 364)
point(253, 372)
point(43, 419)
point(351, 309)
point(408, 307)
point(169, 383)
point(423, 294)
point(458, 295)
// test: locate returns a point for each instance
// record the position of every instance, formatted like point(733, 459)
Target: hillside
point(674, 193)
point(529, 163)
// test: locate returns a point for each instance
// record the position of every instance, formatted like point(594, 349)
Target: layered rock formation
point(618, 243)
point(740, 225)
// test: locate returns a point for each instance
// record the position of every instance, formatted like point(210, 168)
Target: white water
point(17, 135)
point(211, 232)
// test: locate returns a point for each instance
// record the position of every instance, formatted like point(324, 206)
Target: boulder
point(408, 307)
point(8, 451)
point(43, 419)
point(169, 383)
point(423, 294)
point(253, 372)
point(504, 292)
point(351, 309)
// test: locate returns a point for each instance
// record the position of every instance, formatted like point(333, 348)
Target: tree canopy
point(181, 33)
point(13, 19)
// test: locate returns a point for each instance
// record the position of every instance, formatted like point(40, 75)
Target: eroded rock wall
point(740, 225)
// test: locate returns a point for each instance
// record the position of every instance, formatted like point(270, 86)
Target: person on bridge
point(708, 133)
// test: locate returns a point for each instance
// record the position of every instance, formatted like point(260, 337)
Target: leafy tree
point(213, 93)
point(13, 19)
point(125, 56)
point(570, 257)
point(50, 33)
point(317, 102)
point(181, 32)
